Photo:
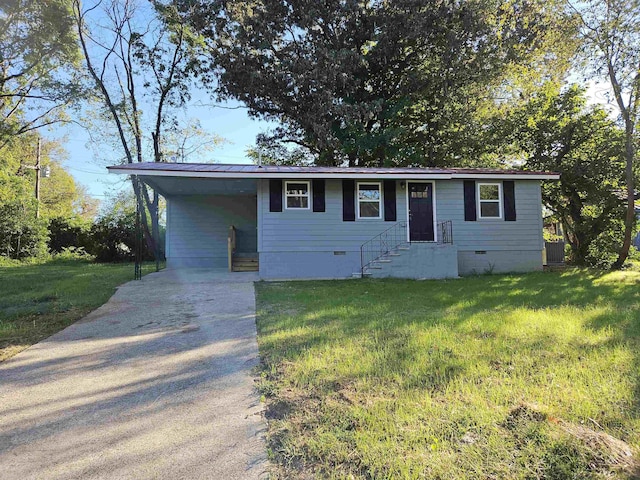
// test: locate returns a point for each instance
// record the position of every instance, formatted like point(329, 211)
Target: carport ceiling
point(172, 186)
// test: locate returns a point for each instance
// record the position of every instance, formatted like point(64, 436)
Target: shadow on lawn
point(309, 316)
point(37, 300)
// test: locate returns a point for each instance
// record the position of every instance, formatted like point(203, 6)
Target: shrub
point(65, 233)
point(21, 234)
point(73, 253)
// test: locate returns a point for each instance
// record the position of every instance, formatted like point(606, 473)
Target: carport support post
point(139, 236)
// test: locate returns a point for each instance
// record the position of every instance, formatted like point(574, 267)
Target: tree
point(372, 83)
point(38, 56)
point(559, 133)
point(21, 233)
point(85, 206)
point(182, 143)
point(112, 236)
point(611, 34)
point(138, 65)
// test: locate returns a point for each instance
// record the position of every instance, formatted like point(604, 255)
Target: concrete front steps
point(422, 260)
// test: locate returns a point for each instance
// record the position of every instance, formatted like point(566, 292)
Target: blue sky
point(234, 125)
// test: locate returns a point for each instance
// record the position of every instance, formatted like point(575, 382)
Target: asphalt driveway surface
point(156, 383)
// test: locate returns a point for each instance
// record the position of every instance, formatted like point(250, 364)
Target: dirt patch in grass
point(577, 451)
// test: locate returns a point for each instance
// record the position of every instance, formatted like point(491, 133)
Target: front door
point(421, 212)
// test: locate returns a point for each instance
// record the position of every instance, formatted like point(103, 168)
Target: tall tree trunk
point(630, 217)
point(142, 199)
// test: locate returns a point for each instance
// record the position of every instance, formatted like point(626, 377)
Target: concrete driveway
point(156, 383)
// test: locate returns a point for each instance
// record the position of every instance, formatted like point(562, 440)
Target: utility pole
point(38, 180)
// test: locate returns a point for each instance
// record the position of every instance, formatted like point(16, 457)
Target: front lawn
point(516, 376)
point(37, 300)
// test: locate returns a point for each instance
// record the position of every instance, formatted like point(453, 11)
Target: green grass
point(516, 376)
point(39, 299)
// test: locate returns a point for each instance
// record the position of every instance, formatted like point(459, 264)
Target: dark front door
point(421, 212)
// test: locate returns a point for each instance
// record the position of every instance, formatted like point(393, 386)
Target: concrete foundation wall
point(305, 265)
point(421, 261)
point(477, 262)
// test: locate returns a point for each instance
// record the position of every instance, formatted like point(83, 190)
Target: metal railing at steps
point(445, 232)
point(393, 238)
point(382, 244)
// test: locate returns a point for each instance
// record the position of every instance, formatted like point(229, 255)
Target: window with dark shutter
point(275, 195)
point(318, 196)
point(348, 200)
point(470, 201)
point(509, 198)
point(389, 196)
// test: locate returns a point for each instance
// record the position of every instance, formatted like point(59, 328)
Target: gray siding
point(308, 231)
point(509, 246)
point(523, 234)
point(285, 237)
point(197, 228)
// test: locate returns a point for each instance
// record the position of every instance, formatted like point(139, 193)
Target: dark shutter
point(509, 200)
point(470, 201)
point(275, 195)
point(318, 195)
point(348, 200)
point(389, 193)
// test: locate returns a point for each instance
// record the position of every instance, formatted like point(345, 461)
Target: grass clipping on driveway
point(37, 300)
point(519, 376)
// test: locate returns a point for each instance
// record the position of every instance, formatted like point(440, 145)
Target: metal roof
point(220, 170)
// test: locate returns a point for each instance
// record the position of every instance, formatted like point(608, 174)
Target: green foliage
point(58, 193)
point(66, 233)
point(610, 32)
point(558, 132)
point(39, 53)
point(113, 238)
point(378, 83)
point(22, 235)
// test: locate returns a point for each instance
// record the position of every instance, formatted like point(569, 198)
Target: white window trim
point(286, 195)
point(478, 201)
point(358, 201)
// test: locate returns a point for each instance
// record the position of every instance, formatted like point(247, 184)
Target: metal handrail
point(382, 244)
point(395, 236)
point(445, 230)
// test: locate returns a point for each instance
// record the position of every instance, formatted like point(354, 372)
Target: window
point(369, 197)
point(297, 195)
point(489, 200)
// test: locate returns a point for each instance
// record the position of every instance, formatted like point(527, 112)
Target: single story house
point(291, 222)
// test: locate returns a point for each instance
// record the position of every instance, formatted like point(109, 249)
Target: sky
point(233, 125)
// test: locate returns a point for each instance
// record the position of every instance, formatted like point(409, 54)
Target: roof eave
point(355, 176)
